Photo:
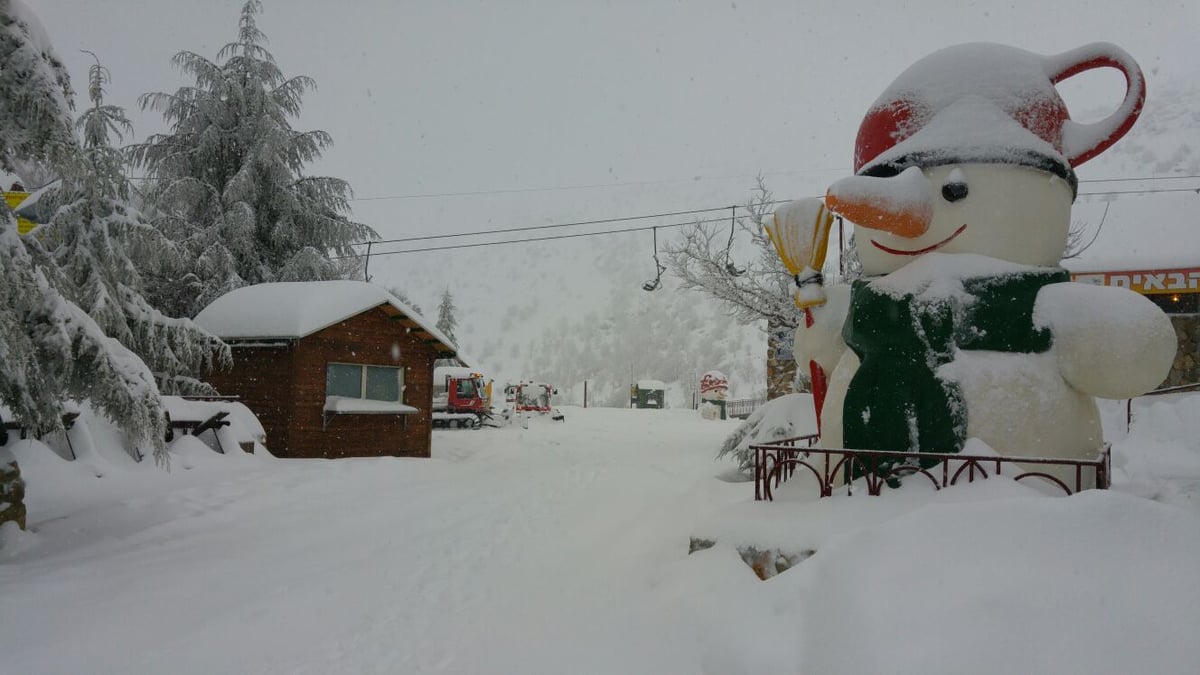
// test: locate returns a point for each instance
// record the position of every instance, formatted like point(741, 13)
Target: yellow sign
point(1147, 282)
point(14, 200)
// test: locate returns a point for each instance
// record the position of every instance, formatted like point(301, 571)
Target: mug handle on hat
point(1081, 142)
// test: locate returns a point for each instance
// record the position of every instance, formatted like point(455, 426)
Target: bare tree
point(762, 290)
point(1075, 236)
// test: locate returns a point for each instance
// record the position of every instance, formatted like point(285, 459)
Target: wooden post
point(585, 393)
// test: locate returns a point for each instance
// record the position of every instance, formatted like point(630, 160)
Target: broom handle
point(817, 374)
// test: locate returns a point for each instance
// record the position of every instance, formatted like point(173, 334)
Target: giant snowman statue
point(964, 324)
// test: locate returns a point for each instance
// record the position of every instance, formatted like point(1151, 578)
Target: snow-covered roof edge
point(415, 316)
point(457, 372)
point(295, 310)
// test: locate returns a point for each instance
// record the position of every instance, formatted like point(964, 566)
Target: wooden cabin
point(331, 368)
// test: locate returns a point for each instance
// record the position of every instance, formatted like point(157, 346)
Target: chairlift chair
point(655, 283)
point(731, 269)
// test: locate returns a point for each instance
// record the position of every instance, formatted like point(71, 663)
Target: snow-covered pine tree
point(851, 266)
point(228, 180)
point(96, 233)
point(50, 349)
point(446, 322)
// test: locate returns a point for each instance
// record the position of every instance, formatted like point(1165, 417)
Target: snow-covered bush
point(784, 417)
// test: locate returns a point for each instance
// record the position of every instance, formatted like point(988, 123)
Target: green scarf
point(896, 401)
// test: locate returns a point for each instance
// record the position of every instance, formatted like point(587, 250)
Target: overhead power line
point(591, 186)
point(1140, 178)
point(1139, 192)
point(696, 179)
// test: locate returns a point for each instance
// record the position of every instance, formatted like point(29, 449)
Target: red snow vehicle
point(532, 397)
point(459, 398)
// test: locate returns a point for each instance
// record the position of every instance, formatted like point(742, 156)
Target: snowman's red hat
point(990, 103)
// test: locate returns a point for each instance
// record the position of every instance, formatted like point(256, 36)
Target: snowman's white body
point(1107, 342)
point(1024, 404)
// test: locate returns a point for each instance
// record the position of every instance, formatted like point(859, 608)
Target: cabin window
point(377, 383)
point(383, 383)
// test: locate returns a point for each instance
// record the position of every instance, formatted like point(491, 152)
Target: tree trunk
point(12, 490)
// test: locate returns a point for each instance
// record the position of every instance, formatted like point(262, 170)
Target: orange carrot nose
point(902, 205)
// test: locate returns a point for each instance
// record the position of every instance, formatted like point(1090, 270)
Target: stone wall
point(1186, 369)
point(781, 365)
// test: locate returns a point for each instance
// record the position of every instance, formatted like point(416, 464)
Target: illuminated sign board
point(1147, 282)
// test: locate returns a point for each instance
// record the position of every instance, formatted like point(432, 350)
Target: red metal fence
point(777, 462)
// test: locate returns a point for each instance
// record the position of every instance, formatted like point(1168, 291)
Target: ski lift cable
point(534, 239)
point(579, 223)
point(630, 229)
point(603, 221)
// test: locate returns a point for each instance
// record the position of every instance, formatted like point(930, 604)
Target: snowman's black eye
point(954, 191)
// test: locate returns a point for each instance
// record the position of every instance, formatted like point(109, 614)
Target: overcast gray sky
point(685, 100)
point(431, 97)
point(662, 106)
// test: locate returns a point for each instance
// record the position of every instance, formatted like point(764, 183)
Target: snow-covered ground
point(563, 548)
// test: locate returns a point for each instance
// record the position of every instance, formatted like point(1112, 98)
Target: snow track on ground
point(562, 548)
point(510, 551)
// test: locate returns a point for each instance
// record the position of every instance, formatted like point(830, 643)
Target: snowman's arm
point(1108, 342)
point(822, 342)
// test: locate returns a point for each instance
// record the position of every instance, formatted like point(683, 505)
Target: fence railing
point(776, 463)
point(1179, 389)
point(779, 453)
point(742, 407)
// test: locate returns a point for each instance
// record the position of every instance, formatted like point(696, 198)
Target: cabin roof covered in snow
point(651, 385)
point(296, 309)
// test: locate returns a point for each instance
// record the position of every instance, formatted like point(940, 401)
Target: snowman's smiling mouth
point(927, 249)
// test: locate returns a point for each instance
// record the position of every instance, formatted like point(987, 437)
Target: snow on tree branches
point(36, 101)
point(50, 349)
point(446, 322)
point(96, 234)
point(227, 181)
point(763, 291)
